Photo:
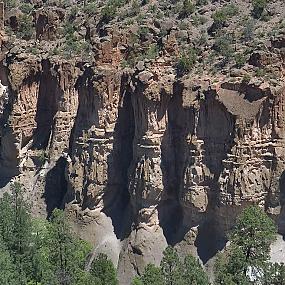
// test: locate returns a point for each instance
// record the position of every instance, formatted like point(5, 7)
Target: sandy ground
point(277, 253)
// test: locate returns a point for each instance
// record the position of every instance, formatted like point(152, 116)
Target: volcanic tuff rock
point(139, 156)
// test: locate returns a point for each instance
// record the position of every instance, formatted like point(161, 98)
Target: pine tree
point(253, 234)
point(246, 260)
point(171, 267)
point(15, 229)
point(67, 253)
point(8, 270)
point(193, 272)
point(152, 276)
point(42, 269)
point(103, 269)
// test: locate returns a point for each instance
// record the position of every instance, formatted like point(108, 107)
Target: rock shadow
point(170, 218)
point(208, 122)
point(208, 242)
point(170, 212)
point(117, 204)
point(47, 106)
point(8, 142)
point(55, 186)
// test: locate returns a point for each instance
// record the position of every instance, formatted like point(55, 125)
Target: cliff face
point(141, 158)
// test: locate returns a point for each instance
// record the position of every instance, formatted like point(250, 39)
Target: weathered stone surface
point(176, 160)
point(141, 157)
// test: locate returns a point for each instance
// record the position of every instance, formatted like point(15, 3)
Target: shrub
point(142, 32)
point(152, 9)
point(201, 39)
point(90, 8)
point(201, 2)
point(248, 31)
point(9, 4)
point(187, 8)
point(258, 7)
point(246, 78)
point(135, 7)
point(25, 29)
point(73, 12)
point(152, 52)
point(108, 12)
point(42, 157)
point(240, 60)
point(26, 8)
point(221, 16)
point(198, 20)
point(68, 31)
point(260, 72)
point(187, 61)
point(223, 45)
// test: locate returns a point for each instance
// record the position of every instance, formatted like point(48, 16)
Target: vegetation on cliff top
point(222, 35)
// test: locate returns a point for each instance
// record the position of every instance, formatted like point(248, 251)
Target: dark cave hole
point(207, 242)
point(55, 186)
point(170, 219)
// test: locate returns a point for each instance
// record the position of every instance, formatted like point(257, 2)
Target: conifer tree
point(67, 254)
point(15, 229)
point(103, 269)
point(171, 267)
point(246, 260)
point(8, 270)
point(152, 275)
point(192, 272)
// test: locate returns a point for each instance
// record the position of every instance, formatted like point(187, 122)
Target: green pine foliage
point(40, 252)
point(173, 271)
point(8, 269)
point(192, 272)
point(104, 270)
point(152, 275)
point(249, 250)
point(259, 7)
point(275, 274)
point(171, 266)
point(253, 234)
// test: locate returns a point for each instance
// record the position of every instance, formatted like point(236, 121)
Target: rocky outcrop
point(141, 157)
point(141, 160)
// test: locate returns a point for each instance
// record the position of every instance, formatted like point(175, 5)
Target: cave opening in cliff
point(55, 186)
point(207, 242)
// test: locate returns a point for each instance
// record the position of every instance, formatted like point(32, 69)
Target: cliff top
point(237, 40)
